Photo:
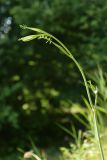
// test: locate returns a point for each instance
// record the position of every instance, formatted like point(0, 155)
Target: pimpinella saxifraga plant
point(40, 34)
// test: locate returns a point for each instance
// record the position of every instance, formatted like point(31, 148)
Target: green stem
point(35, 156)
point(78, 66)
point(68, 53)
point(97, 130)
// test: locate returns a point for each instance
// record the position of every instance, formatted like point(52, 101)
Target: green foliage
point(35, 85)
point(84, 149)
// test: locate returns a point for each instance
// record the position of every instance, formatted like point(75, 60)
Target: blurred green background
point(38, 86)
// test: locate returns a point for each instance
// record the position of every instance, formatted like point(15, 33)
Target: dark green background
point(37, 84)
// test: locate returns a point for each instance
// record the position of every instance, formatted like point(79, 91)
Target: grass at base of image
point(84, 150)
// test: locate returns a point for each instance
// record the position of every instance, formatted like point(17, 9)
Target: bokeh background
point(39, 87)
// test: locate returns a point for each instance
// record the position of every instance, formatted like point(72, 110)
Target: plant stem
point(97, 130)
point(68, 53)
point(88, 94)
point(35, 156)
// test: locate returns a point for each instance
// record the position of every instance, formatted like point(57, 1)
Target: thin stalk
point(96, 128)
point(78, 66)
point(88, 94)
point(35, 156)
